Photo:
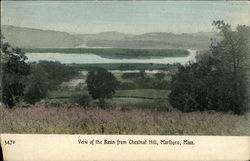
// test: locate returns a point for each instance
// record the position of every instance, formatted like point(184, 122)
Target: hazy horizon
point(85, 17)
point(108, 31)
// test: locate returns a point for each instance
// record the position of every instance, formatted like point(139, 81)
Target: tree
point(36, 85)
point(101, 84)
point(56, 73)
point(13, 70)
point(233, 52)
point(218, 79)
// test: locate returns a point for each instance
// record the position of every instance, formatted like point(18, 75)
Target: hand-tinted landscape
point(122, 71)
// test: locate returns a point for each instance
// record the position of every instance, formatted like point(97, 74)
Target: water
point(92, 58)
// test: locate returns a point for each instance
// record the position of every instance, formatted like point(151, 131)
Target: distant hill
point(158, 40)
point(112, 35)
point(196, 40)
point(36, 38)
point(199, 40)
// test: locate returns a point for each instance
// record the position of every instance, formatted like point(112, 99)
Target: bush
point(82, 99)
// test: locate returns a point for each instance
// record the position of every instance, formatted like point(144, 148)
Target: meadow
point(73, 119)
point(129, 99)
point(115, 53)
point(136, 89)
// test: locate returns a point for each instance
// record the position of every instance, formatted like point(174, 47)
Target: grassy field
point(133, 98)
point(141, 99)
point(116, 53)
point(119, 77)
point(148, 93)
point(76, 120)
point(62, 93)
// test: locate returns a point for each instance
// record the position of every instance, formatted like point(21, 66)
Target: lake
point(89, 58)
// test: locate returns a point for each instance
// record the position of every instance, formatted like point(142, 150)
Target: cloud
point(129, 17)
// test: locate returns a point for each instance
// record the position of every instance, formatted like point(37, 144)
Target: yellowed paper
point(27, 147)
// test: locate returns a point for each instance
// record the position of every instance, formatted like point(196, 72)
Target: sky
point(134, 17)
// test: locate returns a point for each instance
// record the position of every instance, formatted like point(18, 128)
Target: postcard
point(125, 80)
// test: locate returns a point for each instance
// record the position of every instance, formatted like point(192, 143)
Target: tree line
point(219, 79)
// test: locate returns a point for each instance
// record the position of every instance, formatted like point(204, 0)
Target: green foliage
point(233, 52)
point(36, 85)
point(45, 76)
point(13, 71)
point(195, 88)
point(29, 82)
point(142, 80)
point(127, 66)
point(82, 99)
point(218, 80)
point(118, 53)
point(56, 72)
point(160, 76)
point(101, 84)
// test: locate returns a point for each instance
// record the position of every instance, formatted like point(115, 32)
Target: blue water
point(67, 58)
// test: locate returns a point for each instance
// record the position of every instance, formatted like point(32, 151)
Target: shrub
point(83, 99)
